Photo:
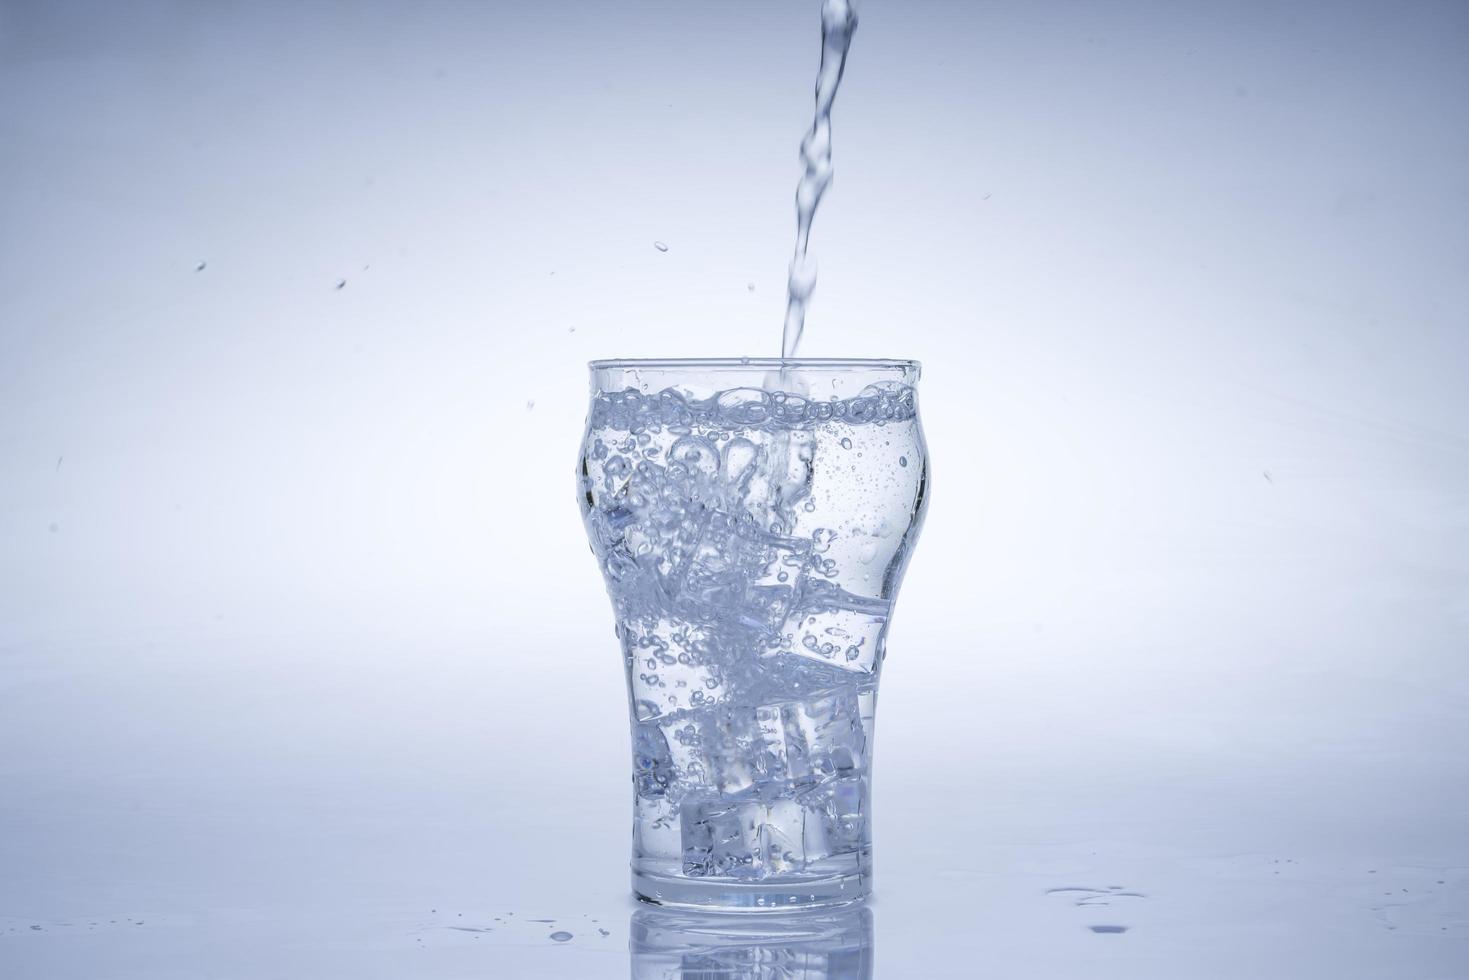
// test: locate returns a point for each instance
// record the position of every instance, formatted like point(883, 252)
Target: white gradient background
point(299, 638)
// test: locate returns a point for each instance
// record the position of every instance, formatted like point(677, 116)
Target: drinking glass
point(752, 519)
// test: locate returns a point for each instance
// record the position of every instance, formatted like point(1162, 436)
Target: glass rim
point(715, 363)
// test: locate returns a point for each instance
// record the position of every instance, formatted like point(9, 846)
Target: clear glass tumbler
point(752, 519)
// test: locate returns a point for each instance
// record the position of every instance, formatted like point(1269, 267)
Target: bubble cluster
point(631, 410)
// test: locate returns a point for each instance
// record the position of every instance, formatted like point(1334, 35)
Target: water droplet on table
point(561, 937)
point(660, 246)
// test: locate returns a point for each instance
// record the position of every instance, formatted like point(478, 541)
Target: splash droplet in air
point(660, 246)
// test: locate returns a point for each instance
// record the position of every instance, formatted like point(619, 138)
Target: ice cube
point(730, 749)
point(652, 762)
point(752, 839)
point(655, 828)
point(836, 627)
point(716, 749)
point(722, 837)
point(814, 737)
point(829, 730)
point(841, 803)
point(778, 566)
point(728, 744)
point(793, 836)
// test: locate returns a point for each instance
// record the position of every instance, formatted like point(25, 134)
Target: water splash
point(838, 22)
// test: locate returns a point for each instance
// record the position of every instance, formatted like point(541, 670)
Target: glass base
point(727, 895)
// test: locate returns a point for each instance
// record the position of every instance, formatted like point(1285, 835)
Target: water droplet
point(201, 266)
point(902, 460)
point(846, 443)
point(1108, 930)
point(341, 284)
point(604, 932)
point(571, 329)
point(660, 246)
point(561, 937)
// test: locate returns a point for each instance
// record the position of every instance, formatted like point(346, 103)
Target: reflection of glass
point(814, 945)
point(753, 520)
